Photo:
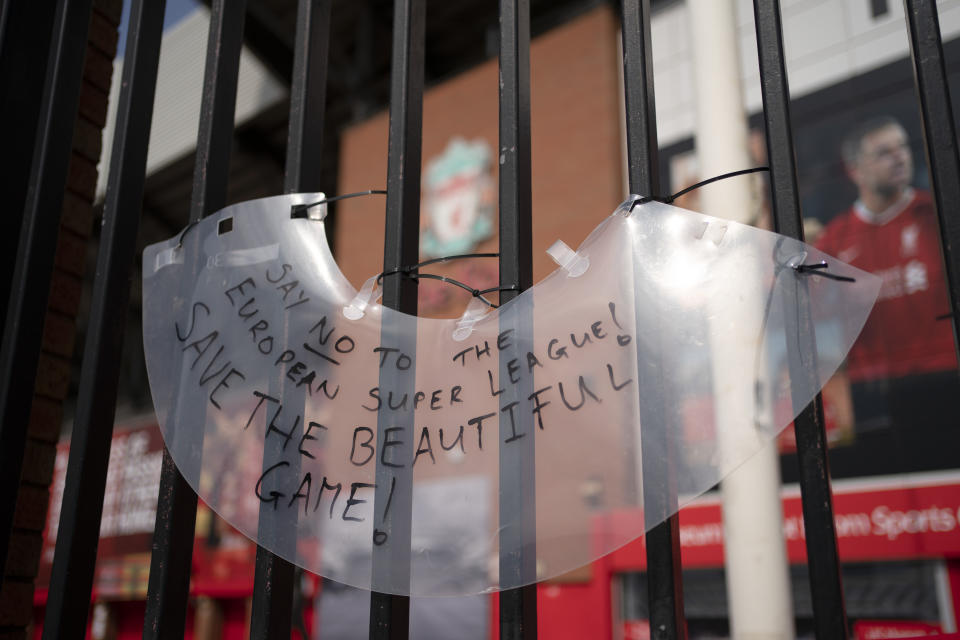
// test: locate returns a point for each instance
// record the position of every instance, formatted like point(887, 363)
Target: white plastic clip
point(173, 255)
point(797, 260)
point(244, 257)
point(715, 232)
point(474, 313)
point(568, 259)
point(369, 292)
point(318, 212)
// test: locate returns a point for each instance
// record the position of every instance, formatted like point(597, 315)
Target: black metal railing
point(389, 613)
point(830, 620)
point(939, 137)
point(76, 551)
point(73, 570)
point(22, 331)
point(518, 607)
point(274, 577)
point(665, 583)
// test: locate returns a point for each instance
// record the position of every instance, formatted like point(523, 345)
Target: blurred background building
point(895, 435)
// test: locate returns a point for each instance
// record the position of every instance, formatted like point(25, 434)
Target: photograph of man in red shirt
point(891, 231)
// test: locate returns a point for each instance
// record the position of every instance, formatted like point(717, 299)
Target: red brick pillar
point(59, 332)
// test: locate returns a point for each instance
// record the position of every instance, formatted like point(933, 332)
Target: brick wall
point(576, 138)
point(53, 375)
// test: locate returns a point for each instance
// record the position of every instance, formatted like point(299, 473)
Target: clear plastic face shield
point(365, 445)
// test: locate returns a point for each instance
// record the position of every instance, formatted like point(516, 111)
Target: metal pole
point(940, 137)
point(170, 562)
point(518, 607)
point(79, 531)
point(830, 618)
point(390, 614)
point(665, 590)
point(27, 307)
point(27, 29)
point(273, 590)
point(755, 554)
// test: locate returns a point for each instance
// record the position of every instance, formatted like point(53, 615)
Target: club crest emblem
point(459, 199)
point(908, 240)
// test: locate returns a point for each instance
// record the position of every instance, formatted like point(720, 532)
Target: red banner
point(882, 629)
point(897, 517)
point(223, 559)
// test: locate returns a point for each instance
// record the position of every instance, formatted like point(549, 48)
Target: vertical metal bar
point(518, 606)
point(25, 29)
point(5, 10)
point(38, 240)
point(402, 239)
point(940, 138)
point(177, 503)
point(308, 96)
point(271, 612)
point(642, 151)
point(390, 614)
point(79, 530)
point(211, 166)
point(665, 584)
point(830, 619)
point(273, 590)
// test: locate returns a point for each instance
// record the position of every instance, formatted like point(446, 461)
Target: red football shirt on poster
point(902, 336)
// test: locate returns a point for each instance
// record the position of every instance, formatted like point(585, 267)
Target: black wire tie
point(819, 269)
point(302, 210)
point(702, 183)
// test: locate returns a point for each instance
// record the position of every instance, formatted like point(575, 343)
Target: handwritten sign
point(381, 437)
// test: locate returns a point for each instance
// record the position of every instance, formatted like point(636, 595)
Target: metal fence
point(73, 568)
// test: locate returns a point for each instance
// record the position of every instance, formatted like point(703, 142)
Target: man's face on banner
point(885, 164)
